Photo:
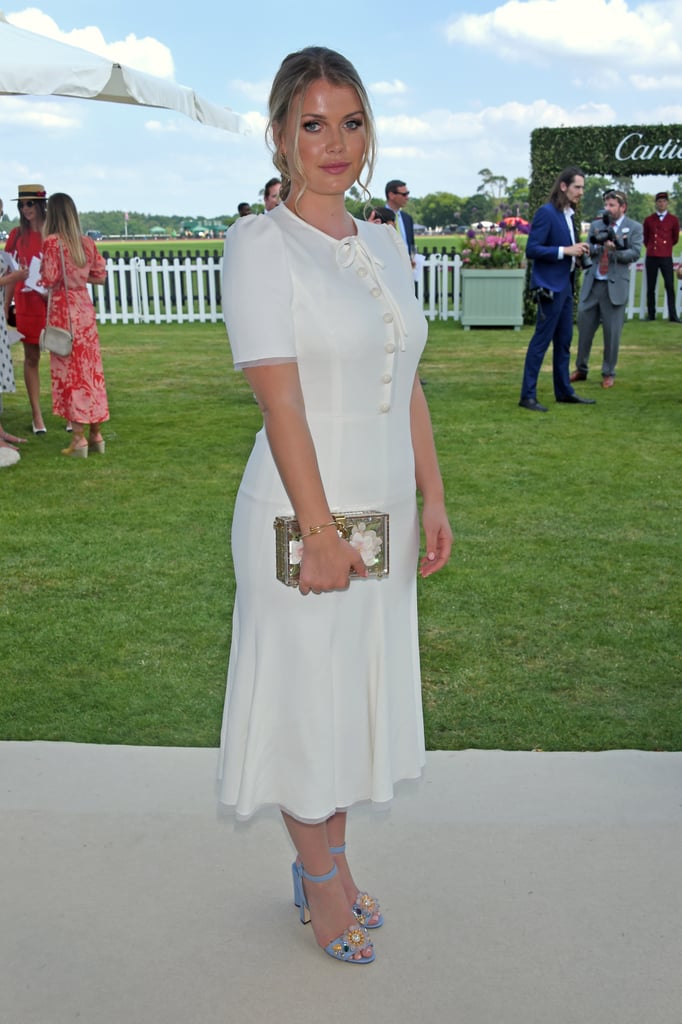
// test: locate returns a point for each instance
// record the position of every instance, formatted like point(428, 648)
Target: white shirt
point(568, 214)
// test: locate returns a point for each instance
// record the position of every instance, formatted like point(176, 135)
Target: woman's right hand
point(326, 563)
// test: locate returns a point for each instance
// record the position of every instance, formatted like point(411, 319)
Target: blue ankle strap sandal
point(365, 906)
point(353, 940)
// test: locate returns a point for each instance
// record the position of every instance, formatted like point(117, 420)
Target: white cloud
point(448, 146)
point(182, 126)
point(256, 122)
point(394, 88)
point(663, 83)
point(402, 152)
point(548, 115)
point(162, 127)
point(257, 92)
point(96, 174)
point(600, 80)
point(508, 118)
point(402, 126)
point(19, 112)
point(145, 54)
point(670, 114)
point(646, 35)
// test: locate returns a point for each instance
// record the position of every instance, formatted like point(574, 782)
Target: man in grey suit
point(615, 243)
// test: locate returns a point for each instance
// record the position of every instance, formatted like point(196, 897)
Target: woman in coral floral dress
point(78, 388)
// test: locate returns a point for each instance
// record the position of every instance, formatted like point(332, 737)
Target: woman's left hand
point(438, 534)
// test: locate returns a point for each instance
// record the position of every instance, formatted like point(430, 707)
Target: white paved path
point(518, 888)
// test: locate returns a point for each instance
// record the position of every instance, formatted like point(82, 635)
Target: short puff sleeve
point(97, 266)
point(257, 293)
point(11, 243)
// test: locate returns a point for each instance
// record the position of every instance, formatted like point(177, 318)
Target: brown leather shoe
point(577, 375)
point(608, 382)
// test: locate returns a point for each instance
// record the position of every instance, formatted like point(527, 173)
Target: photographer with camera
point(615, 243)
point(555, 248)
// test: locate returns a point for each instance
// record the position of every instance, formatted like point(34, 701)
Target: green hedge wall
point(601, 151)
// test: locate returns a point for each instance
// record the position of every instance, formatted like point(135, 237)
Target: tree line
point(495, 198)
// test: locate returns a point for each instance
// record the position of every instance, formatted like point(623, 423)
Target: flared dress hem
point(403, 788)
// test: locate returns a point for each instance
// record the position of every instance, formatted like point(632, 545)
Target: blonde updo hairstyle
point(298, 71)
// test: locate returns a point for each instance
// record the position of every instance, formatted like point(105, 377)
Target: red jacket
point(661, 235)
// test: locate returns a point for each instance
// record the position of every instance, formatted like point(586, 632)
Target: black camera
point(585, 261)
point(607, 233)
point(541, 294)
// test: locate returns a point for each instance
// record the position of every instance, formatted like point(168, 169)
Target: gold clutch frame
point(366, 530)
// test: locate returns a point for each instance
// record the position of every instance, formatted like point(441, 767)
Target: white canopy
point(35, 65)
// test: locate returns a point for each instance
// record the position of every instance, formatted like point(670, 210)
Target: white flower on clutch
point(367, 543)
point(295, 552)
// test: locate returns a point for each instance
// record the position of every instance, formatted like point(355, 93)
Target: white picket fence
point(139, 291)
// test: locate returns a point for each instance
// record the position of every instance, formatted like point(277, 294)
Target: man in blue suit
point(554, 248)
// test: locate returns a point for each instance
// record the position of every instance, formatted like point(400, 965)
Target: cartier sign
point(634, 147)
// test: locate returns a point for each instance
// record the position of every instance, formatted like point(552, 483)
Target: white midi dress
point(323, 704)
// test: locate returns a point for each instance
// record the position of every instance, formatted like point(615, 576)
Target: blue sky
point(455, 86)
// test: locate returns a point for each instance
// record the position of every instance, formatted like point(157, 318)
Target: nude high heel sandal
point(353, 940)
point(78, 447)
point(365, 907)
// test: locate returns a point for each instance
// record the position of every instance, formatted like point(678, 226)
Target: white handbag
point(56, 339)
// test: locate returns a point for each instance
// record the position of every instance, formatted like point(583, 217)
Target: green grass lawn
point(556, 625)
point(159, 249)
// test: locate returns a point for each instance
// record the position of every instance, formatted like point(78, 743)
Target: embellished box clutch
point(366, 531)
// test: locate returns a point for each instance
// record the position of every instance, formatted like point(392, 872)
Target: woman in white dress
point(323, 704)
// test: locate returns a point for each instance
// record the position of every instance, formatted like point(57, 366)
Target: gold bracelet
point(312, 530)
